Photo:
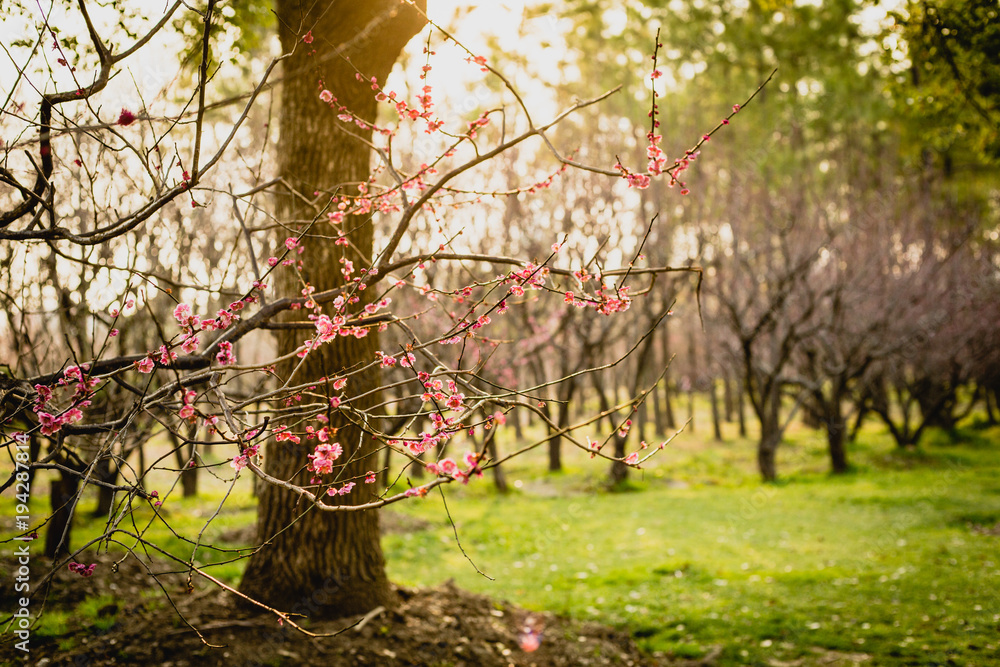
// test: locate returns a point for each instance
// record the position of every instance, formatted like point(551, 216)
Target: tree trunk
point(105, 472)
point(767, 451)
point(499, 478)
point(659, 424)
point(62, 496)
point(619, 471)
point(567, 389)
point(770, 434)
point(713, 394)
point(838, 449)
point(741, 413)
point(185, 455)
point(694, 375)
point(668, 408)
point(315, 562)
point(989, 398)
point(727, 397)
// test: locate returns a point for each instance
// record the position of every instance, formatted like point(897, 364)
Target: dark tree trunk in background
point(727, 397)
point(741, 412)
point(668, 409)
point(327, 563)
point(693, 376)
point(567, 389)
point(771, 432)
point(989, 398)
point(62, 498)
point(767, 451)
point(105, 472)
point(642, 418)
point(835, 435)
point(658, 421)
point(499, 478)
point(184, 453)
point(619, 471)
point(713, 393)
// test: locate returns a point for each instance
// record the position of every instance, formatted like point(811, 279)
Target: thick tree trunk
point(838, 449)
point(767, 451)
point(771, 433)
point(499, 478)
point(989, 398)
point(619, 471)
point(104, 471)
point(314, 562)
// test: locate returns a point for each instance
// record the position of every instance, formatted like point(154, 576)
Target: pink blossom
point(632, 459)
point(166, 355)
point(81, 569)
point(322, 458)
point(239, 462)
point(126, 117)
point(308, 38)
point(190, 344)
point(145, 365)
point(225, 356)
point(342, 491)
point(182, 313)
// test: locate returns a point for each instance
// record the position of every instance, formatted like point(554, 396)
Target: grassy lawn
point(886, 565)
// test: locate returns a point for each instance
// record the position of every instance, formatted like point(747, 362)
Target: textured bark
point(105, 472)
point(838, 451)
point(567, 389)
point(62, 496)
point(767, 451)
point(313, 562)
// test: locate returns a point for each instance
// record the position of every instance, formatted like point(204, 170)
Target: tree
point(156, 207)
point(332, 560)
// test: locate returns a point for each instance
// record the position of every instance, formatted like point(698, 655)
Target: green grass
point(882, 562)
point(696, 553)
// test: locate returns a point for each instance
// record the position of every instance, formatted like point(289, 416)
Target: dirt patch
point(979, 529)
point(433, 626)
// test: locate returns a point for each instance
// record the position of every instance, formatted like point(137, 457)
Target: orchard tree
point(335, 557)
point(162, 200)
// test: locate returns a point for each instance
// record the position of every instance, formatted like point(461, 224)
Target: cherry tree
point(274, 312)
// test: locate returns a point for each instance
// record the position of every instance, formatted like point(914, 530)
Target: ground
point(431, 626)
point(696, 563)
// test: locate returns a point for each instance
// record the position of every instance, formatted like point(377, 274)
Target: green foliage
point(948, 75)
point(720, 51)
point(239, 30)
